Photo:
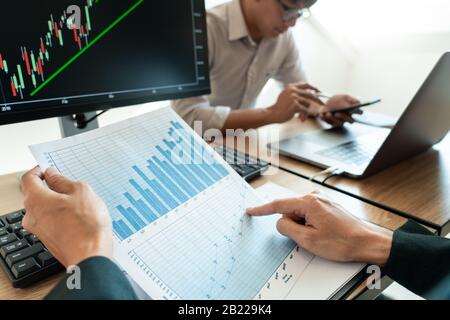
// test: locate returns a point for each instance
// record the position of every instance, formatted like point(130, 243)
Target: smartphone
point(358, 106)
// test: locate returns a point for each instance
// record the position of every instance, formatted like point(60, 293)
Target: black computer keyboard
point(246, 166)
point(23, 257)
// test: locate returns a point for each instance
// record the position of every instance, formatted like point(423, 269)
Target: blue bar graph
point(127, 231)
point(166, 181)
point(185, 185)
point(196, 169)
point(131, 216)
point(192, 147)
point(118, 228)
point(142, 208)
point(161, 176)
point(151, 216)
point(183, 170)
point(165, 196)
point(150, 198)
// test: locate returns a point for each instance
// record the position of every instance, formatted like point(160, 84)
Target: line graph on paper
point(224, 255)
point(180, 226)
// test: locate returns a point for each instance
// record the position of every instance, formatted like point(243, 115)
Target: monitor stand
point(77, 123)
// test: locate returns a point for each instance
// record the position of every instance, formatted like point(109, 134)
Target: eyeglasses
point(293, 14)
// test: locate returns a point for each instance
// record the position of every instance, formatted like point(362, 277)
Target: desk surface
point(418, 188)
point(11, 199)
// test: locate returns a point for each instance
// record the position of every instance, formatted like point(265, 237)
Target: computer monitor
point(63, 57)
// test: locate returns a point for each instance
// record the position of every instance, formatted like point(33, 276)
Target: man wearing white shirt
point(249, 43)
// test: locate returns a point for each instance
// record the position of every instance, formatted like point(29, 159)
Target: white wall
point(14, 141)
point(396, 44)
point(391, 75)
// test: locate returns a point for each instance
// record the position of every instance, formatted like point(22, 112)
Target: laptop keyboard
point(353, 152)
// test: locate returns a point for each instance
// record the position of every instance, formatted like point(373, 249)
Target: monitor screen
point(60, 57)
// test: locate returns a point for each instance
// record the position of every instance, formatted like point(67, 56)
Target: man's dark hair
point(307, 3)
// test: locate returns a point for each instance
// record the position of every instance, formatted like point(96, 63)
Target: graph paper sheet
point(178, 210)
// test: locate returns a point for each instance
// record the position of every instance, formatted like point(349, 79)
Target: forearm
point(419, 260)
point(248, 119)
point(412, 255)
point(374, 246)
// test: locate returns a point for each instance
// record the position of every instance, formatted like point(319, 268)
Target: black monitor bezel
point(60, 111)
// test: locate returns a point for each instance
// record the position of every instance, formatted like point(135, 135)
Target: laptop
point(360, 150)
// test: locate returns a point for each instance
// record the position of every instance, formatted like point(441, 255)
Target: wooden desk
point(418, 188)
point(11, 200)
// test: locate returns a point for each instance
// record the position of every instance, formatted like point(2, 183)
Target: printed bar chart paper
point(178, 210)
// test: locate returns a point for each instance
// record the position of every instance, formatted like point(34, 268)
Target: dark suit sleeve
point(101, 279)
point(419, 260)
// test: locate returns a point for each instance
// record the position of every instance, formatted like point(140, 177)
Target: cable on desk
point(322, 173)
point(330, 172)
point(336, 173)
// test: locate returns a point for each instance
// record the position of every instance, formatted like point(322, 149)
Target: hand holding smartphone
point(355, 107)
